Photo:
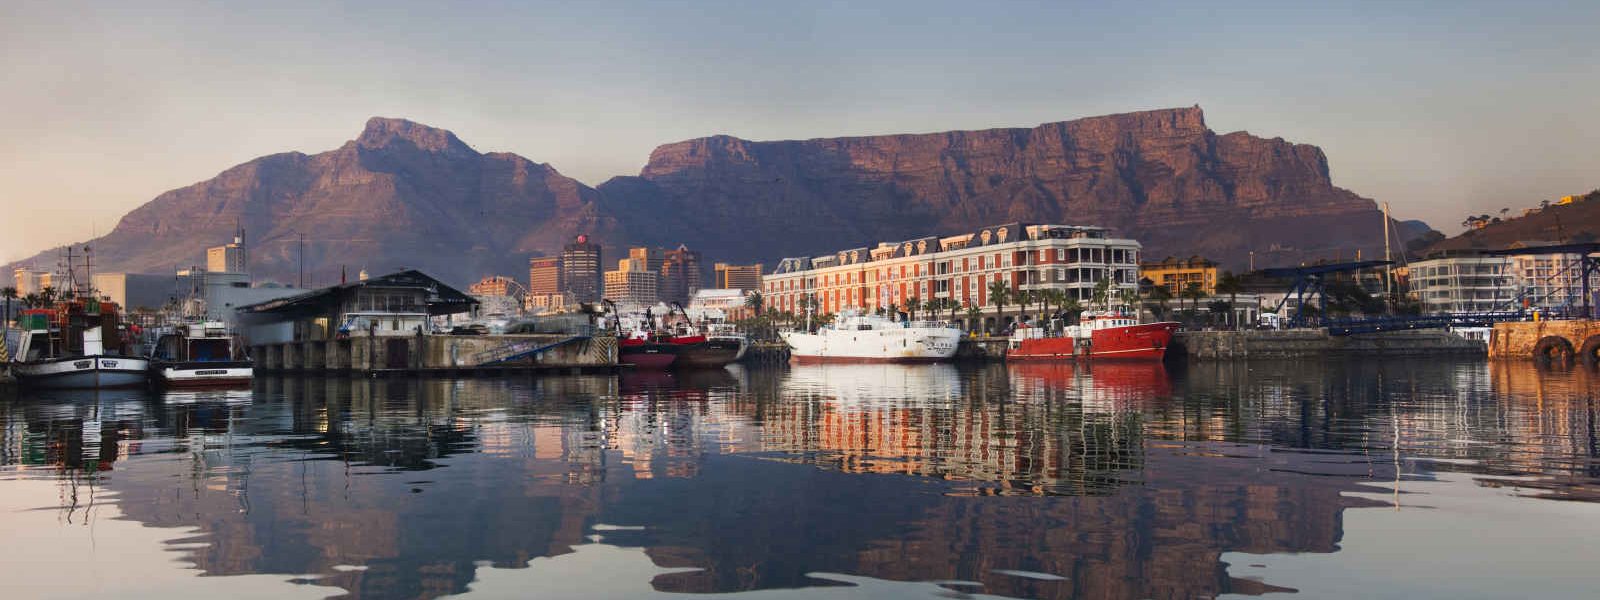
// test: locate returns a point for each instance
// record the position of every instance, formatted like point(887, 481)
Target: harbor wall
point(1517, 340)
point(1308, 343)
point(438, 353)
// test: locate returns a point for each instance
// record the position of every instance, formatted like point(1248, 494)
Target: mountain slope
point(1159, 176)
point(401, 194)
point(1576, 222)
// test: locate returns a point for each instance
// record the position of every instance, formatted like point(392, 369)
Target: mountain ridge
point(404, 194)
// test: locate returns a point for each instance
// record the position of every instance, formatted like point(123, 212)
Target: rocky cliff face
point(1159, 176)
point(401, 194)
point(408, 195)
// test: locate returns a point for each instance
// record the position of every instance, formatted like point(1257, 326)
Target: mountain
point(405, 194)
point(1578, 221)
point(400, 194)
point(1159, 176)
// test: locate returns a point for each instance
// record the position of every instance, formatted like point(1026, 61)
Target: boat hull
point(1148, 341)
point(647, 355)
point(216, 374)
point(710, 353)
point(83, 372)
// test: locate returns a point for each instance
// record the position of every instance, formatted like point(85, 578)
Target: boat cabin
point(208, 341)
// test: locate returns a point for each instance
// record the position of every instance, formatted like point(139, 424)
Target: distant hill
point(404, 194)
point(1575, 222)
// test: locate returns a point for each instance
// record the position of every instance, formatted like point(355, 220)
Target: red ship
point(1099, 336)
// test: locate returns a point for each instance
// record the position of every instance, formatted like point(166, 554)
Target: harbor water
point(1317, 479)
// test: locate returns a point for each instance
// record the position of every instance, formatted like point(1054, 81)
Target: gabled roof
point(443, 299)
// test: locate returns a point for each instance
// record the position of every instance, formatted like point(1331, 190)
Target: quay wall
point(437, 353)
point(1310, 343)
point(1517, 340)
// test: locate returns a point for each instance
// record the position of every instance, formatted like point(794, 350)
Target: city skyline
point(141, 97)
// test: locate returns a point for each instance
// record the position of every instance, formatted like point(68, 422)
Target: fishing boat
point(710, 345)
point(200, 354)
point(856, 337)
point(1098, 335)
point(75, 344)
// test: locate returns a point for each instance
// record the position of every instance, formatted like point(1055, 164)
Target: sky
point(1442, 109)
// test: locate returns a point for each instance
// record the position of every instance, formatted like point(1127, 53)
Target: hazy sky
point(1441, 109)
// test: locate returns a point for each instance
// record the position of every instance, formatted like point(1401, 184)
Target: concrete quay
point(441, 354)
point(1313, 343)
point(1556, 341)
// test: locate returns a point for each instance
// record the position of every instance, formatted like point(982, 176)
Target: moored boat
point(720, 344)
point(76, 344)
point(1107, 335)
point(203, 354)
point(854, 337)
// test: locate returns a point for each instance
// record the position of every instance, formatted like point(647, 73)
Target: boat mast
point(1388, 269)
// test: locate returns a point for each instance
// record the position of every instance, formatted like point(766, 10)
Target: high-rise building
point(738, 277)
point(544, 276)
point(648, 259)
point(632, 284)
point(680, 275)
point(580, 270)
point(228, 258)
point(29, 281)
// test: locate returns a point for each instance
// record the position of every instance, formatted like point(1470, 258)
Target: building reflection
point(1123, 480)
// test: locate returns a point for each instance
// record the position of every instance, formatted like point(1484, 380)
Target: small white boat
point(203, 354)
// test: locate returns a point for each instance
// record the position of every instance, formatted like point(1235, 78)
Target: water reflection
point(1054, 481)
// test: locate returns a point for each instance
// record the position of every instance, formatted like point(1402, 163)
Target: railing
point(1397, 323)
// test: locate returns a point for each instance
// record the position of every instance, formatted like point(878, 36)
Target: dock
point(1561, 341)
point(1315, 343)
point(454, 355)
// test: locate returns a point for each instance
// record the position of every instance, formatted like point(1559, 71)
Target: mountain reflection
point(1109, 480)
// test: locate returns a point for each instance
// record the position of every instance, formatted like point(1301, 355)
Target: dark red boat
point(647, 353)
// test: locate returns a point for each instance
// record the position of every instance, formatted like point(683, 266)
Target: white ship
point(868, 338)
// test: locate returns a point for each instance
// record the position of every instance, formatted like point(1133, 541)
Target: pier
point(441, 354)
point(1311, 343)
point(1565, 341)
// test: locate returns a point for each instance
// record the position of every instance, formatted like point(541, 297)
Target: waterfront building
point(228, 258)
point(580, 270)
point(737, 277)
point(394, 305)
point(1549, 282)
point(719, 304)
point(1070, 258)
point(1463, 283)
point(494, 285)
point(1176, 274)
point(679, 275)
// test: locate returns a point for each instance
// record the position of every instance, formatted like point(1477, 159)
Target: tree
point(755, 302)
point(999, 295)
point(1230, 284)
point(973, 315)
point(47, 296)
point(1024, 300)
point(1193, 293)
point(1071, 310)
point(1160, 295)
point(912, 305)
point(1102, 294)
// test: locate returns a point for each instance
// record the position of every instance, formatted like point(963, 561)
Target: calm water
point(1373, 479)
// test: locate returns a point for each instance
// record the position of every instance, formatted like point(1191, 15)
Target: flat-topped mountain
point(1160, 176)
point(404, 194)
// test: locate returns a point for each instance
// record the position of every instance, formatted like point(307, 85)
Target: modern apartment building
point(1463, 283)
point(1176, 274)
point(1070, 258)
point(631, 284)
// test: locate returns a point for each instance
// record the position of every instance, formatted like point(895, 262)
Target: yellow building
point(1175, 274)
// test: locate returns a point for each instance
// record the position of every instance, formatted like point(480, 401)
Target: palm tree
point(973, 315)
point(47, 296)
point(912, 304)
point(1025, 298)
point(1194, 293)
point(755, 302)
point(1160, 295)
point(1102, 294)
point(1071, 309)
point(954, 306)
point(999, 295)
point(1230, 284)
